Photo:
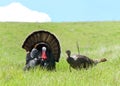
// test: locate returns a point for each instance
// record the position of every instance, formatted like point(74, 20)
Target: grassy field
point(96, 40)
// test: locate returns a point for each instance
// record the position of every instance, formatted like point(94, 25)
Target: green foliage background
point(96, 40)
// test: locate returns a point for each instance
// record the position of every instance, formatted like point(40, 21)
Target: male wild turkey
point(80, 61)
point(42, 49)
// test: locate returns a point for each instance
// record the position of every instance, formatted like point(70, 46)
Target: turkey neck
point(44, 56)
point(70, 60)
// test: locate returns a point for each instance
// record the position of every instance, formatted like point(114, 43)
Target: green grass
point(96, 40)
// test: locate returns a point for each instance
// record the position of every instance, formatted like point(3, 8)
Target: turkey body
point(80, 61)
point(45, 47)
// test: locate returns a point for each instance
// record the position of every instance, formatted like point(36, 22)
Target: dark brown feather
point(78, 61)
point(43, 37)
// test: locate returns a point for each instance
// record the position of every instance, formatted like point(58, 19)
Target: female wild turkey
point(80, 61)
point(42, 49)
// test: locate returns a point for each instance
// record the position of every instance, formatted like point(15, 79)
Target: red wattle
point(44, 56)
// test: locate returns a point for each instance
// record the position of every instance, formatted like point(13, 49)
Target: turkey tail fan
point(43, 38)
